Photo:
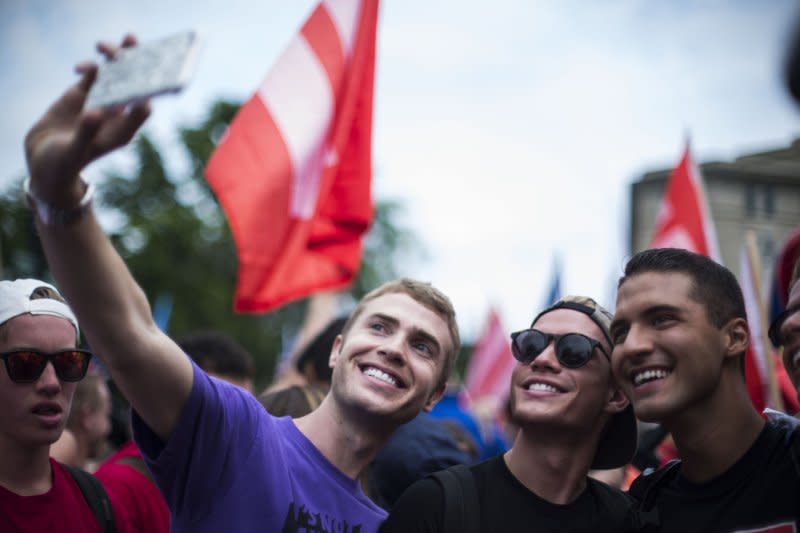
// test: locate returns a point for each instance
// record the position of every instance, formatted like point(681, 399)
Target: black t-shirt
point(507, 505)
point(758, 493)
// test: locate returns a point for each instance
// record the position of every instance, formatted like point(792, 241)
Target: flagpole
point(775, 398)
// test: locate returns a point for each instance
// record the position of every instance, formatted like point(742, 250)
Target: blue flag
point(554, 293)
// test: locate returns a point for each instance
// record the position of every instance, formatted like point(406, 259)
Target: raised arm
point(113, 311)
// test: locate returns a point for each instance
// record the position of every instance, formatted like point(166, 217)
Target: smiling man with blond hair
point(222, 462)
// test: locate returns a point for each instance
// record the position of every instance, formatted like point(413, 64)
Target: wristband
point(51, 215)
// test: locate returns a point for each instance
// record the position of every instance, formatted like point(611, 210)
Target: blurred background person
point(85, 439)
point(220, 356)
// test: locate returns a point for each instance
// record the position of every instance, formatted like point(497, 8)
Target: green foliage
point(175, 240)
point(21, 254)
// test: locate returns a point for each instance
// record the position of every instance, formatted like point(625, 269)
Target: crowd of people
point(355, 445)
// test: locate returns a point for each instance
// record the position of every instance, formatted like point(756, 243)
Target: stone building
point(759, 192)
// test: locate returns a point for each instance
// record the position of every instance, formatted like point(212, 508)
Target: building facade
point(758, 192)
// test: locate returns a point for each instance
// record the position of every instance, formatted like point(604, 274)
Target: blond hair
point(428, 296)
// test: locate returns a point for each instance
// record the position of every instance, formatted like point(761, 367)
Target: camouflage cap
point(588, 307)
point(618, 442)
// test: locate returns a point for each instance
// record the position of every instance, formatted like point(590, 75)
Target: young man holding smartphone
point(221, 461)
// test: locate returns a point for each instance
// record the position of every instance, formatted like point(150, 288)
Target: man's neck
point(713, 435)
point(550, 465)
point(349, 444)
point(25, 470)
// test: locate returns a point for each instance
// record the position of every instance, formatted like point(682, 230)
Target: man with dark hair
point(220, 356)
point(222, 462)
point(680, 333)
point(312, 363)
point(572, 417)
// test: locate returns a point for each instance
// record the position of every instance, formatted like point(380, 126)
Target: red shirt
point(63, 508)
point(138, 494)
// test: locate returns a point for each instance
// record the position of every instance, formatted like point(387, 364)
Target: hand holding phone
point(146, 70)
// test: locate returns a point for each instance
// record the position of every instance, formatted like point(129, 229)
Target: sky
point(511, 130)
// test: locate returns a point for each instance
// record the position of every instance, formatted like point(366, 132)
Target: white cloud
point(512, 128)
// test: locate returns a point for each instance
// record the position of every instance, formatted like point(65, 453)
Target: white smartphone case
point(146, 70)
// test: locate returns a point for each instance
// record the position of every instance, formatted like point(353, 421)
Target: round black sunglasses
point(573, 350)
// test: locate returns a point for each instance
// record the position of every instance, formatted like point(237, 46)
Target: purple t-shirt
point(230, 466)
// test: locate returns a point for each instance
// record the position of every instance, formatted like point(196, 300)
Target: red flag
point(293, 170)
point(491, 363)
point(684, 220)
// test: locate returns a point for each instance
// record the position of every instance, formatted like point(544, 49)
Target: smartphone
point(145, 70)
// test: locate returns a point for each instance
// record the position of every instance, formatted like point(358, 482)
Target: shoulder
point(650, 480)
point(490, 468)
point(420, 508)
point(607, 495)
point(783, 424)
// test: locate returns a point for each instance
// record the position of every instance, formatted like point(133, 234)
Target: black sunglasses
point(573, 350)
point(774, 332)
point(26, 366)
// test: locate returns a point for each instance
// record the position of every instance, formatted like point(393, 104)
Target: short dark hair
point(713, 285)
point(318, 352)
point(294, 401)
point(216, 352)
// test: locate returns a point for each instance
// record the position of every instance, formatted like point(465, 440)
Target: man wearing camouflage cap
point(572, 417)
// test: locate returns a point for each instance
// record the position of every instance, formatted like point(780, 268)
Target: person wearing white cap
point(41, 367)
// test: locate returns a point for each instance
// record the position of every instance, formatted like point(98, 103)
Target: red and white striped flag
point(759, 360)
point(293, 170)
point(491, 363)
point(684, 220)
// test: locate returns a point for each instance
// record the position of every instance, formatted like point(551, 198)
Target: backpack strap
point(645, 489)
point(96, 497)
point(461, 511)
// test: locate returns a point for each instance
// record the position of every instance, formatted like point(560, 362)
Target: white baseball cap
point(15, 300)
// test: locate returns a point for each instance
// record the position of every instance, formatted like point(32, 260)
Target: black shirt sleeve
point(419, 509)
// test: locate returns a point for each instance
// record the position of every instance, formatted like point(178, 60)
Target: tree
point(21, 255)
point(175, 239)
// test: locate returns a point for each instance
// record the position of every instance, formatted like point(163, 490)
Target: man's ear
point(435, 397)
point(336, 349)
point(616, 402)
point(736, 337)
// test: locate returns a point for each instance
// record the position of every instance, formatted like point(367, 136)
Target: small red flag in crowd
point(293, 170)
point(491, 363)
point(684, 220)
